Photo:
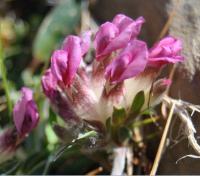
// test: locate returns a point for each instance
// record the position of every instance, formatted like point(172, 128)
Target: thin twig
point(95, 171)
point(169, 21)
point(162, 142)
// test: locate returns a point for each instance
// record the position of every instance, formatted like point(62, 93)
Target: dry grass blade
point(162, 142)
point(95, 171)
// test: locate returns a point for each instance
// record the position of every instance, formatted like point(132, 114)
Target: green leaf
point(76, 143)
point(138, 102)
point(51, 136)
point(52, 117)
point(61, 21)
point(87, 135)
point(148, 111)
point(118, 116)
point(144, 122)
point(124, 134)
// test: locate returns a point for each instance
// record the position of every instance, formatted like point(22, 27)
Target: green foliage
point(118, 116)
point(124, 134)
point(144, 122)
point(138, 102)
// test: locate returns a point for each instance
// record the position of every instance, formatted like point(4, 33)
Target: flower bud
point(25, 113)
point(159, 89)
point(49, 84)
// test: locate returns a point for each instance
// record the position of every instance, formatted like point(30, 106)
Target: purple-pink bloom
point(65, 62)
point(49, 84)
point(165, 51)
point(59, 66)
point(25, 113)
point(72, 45)
point(85, 41)
point(116, 34)
point(129, 63)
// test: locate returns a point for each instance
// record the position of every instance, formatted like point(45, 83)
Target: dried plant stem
point(162, 142)
point(169, 21)
point(193, 143)
point(95, 171)
point(181, 109)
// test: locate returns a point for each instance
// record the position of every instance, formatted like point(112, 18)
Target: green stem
point(4, 77)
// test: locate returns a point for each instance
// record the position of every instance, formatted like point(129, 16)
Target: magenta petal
point(117, 67)
point(116, 35)
point(119, 42)
point(59, 61)
point(49, 84)
point(165, 51)
point(130, 62)
point(128, 29)
point(106, 33)
point(85, 42)
point(18, 114)
point(31, 117)
point(123, 23)
point(25, 113)
point(72, 45)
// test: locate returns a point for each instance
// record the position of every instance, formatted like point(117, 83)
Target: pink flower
point(129, 63)
point(116, 34)
point(85, 42)
point(73, 42)
point(165, 51)
point(25, 113)
point(49, 84)
point(59, 66)
point(65, 62)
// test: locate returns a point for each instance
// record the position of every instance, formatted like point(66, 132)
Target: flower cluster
point(122, 66)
